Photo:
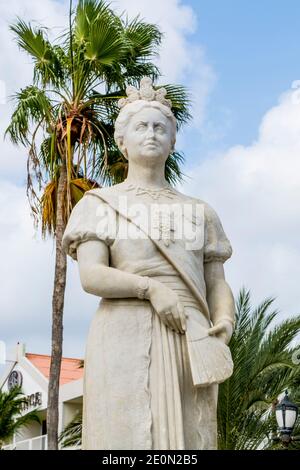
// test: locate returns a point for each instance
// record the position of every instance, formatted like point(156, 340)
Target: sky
point(241, 63)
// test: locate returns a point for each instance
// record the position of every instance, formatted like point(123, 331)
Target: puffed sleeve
point(91, 219)
point(216, 245)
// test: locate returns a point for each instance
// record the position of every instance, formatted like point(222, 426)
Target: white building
point(32, 372)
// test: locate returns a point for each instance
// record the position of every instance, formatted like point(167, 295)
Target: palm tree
point(294, 396)
point(263, 368)
point(70, 108)
point(262, 355)
point(71, 435)
point(12, 418)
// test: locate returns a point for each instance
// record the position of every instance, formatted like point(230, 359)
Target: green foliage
point(71, 106)
point(71, 435)
point(33, 106)
point(12, 418)
point(48, 66)
point(65, 118)
point(263, 368)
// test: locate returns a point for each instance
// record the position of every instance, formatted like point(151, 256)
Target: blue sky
point(239, 58)
point(254, 49)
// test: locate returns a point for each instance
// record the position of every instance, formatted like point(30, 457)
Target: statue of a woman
point(157, 265)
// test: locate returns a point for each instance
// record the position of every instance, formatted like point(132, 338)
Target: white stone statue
point(156, 349)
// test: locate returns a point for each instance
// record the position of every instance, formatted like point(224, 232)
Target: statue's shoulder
point(192, 199)
point(209, 211)
point(108, 195)
point(105, 191)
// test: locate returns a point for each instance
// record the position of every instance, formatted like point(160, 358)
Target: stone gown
point(138, 390)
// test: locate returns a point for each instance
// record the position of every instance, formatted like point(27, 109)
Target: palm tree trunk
point(57, 316)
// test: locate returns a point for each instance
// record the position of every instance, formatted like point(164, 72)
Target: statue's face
point(148, 137)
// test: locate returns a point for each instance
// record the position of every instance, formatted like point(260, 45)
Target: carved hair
point(131, 109)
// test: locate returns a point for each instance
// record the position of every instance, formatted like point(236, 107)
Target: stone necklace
point(153, 193)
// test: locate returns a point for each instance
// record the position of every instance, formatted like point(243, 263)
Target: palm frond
point(12, 417)
point(48, 205)
point(71, 435)
point(180, 103)
point(173, 173)
point(263, 368)
point(32, 106)
point(143, 39)
point(48, 68)
point(88, 12)
point(104, 45)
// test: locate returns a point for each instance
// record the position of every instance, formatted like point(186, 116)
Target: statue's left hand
point(223, 329)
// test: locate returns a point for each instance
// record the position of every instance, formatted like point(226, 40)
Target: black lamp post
point(286, 414)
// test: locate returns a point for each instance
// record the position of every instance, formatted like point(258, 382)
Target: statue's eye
point(160, 128)
point(141, 126)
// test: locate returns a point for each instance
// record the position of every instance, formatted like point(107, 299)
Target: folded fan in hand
point(210, 358)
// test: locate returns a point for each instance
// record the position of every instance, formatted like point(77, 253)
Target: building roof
point(70, 368)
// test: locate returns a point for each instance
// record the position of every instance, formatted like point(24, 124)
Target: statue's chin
point(152, 153)
point(148, 156)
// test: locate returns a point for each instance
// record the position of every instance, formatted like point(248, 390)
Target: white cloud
point(256, 191)
point(26, 275)
point(26, 280)
point(16, 69)
point(15, 66)
point(181, 60)
point(176, 21)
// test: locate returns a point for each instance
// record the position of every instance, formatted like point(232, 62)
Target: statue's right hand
point(167, 305)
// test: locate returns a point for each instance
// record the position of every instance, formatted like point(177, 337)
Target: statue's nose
point(150, 131)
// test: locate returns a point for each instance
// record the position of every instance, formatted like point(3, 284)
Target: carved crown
point(146, 93)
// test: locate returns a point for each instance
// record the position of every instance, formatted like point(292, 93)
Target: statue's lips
point(150, 144)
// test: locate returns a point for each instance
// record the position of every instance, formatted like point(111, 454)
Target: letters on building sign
point(35, 399)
